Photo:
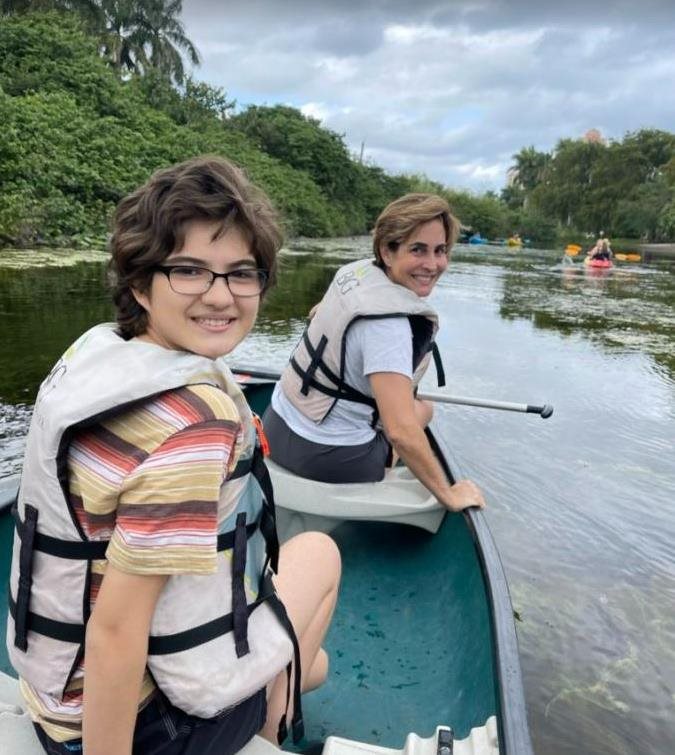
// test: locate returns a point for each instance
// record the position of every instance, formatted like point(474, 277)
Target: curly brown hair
point(404, 215)
point(150, 223)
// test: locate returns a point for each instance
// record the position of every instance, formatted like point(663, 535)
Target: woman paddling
point(143, 613)
point(346, 402)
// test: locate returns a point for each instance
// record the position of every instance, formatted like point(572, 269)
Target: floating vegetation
point(24, 259)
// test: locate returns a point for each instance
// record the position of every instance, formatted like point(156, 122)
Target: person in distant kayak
point(346, 404)
point(601, 250)
point(144, 615)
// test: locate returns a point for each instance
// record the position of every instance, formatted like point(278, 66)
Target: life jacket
point(214, 639)
point(313, 381)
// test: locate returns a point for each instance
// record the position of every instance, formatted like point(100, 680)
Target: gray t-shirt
point(382, 345)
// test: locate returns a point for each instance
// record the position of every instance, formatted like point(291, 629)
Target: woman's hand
point(462, 495)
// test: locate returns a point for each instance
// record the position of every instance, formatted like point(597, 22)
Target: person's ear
point(385, 254)
point(142, 298)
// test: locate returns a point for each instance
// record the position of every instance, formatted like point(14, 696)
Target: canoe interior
point(410, 644)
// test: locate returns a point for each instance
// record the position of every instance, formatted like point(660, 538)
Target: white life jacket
point(314, 378)
point(214, 639)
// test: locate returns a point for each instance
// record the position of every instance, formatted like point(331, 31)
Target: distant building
point(593, 136)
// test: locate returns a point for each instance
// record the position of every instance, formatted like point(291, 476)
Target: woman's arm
point(393, 394)
point(116, 649)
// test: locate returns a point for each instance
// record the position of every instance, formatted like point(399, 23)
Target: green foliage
point(485, 213)
point(585, 186)
point(77, 138)
point(356, 192)
point(132, 37)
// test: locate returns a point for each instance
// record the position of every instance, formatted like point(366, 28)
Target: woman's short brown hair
point(150, 224)
point(403, 216)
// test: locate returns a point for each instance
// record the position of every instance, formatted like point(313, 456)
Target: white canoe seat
point(305, 504)
point(481, 741)
point(17, 735)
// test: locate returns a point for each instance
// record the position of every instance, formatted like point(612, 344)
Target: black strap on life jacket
point(157, 645)
point(422, 337)
point(268, 521)
point(316, 355)
point(21, 623)
point(239, 612)
point(341, 391)
point(440, 372)
point(297, 724)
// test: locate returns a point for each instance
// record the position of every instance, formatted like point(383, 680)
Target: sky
point(452, 89)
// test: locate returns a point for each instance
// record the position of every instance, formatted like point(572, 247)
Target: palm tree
point(134, 36)
point(529, 167)
point(139, 36)
point(165, 38)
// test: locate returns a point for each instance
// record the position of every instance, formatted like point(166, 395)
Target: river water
point(582, 505)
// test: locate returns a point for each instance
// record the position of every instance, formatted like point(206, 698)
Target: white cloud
point(449, 89)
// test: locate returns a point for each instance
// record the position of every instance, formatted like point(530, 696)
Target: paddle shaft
point(543, 411)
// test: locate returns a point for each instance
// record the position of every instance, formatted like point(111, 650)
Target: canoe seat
point(308, 505)
point(481, 741)
point(16, 729)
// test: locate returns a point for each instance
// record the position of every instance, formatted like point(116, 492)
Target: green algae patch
point(25, 259)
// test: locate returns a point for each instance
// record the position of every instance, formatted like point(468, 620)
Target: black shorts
point(162, 729)
point(325, 463)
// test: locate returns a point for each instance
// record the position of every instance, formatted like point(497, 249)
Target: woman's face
point(420, 259)
point(209, 324)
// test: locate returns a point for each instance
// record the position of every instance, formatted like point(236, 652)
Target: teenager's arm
point(116, 649)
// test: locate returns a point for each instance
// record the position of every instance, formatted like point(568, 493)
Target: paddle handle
point(544, 411)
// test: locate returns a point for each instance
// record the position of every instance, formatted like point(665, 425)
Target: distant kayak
point(514, 242)
point(477, 239)
point(600, 264)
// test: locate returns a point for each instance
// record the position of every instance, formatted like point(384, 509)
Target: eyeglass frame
point(263, 276)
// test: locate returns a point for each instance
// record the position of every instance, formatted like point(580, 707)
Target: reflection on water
point(581, 505)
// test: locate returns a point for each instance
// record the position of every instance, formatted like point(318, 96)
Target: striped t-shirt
point(149, 481)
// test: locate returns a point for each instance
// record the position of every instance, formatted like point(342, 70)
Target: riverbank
point(654, 252)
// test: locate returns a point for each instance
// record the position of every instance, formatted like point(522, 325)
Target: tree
point(564, 190)
point(138, 36)
point(134, 37)
point(529, 168)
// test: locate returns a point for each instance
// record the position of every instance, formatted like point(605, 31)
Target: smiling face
point(209, 324)
point(420, 260)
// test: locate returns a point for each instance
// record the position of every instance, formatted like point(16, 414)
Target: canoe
point(599, 264)
point(423, 639)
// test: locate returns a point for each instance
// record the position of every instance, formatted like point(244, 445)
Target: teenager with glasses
point(144, 614)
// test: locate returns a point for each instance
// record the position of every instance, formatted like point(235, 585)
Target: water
point(582, 505)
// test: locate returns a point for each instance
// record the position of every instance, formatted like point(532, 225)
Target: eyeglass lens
point(198, 280)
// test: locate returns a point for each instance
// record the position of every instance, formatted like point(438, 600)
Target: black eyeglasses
point(193, 280)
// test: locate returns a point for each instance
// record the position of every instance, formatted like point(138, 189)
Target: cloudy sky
point(450, 88)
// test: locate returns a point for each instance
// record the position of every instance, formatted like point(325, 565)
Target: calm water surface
point(582, 505)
